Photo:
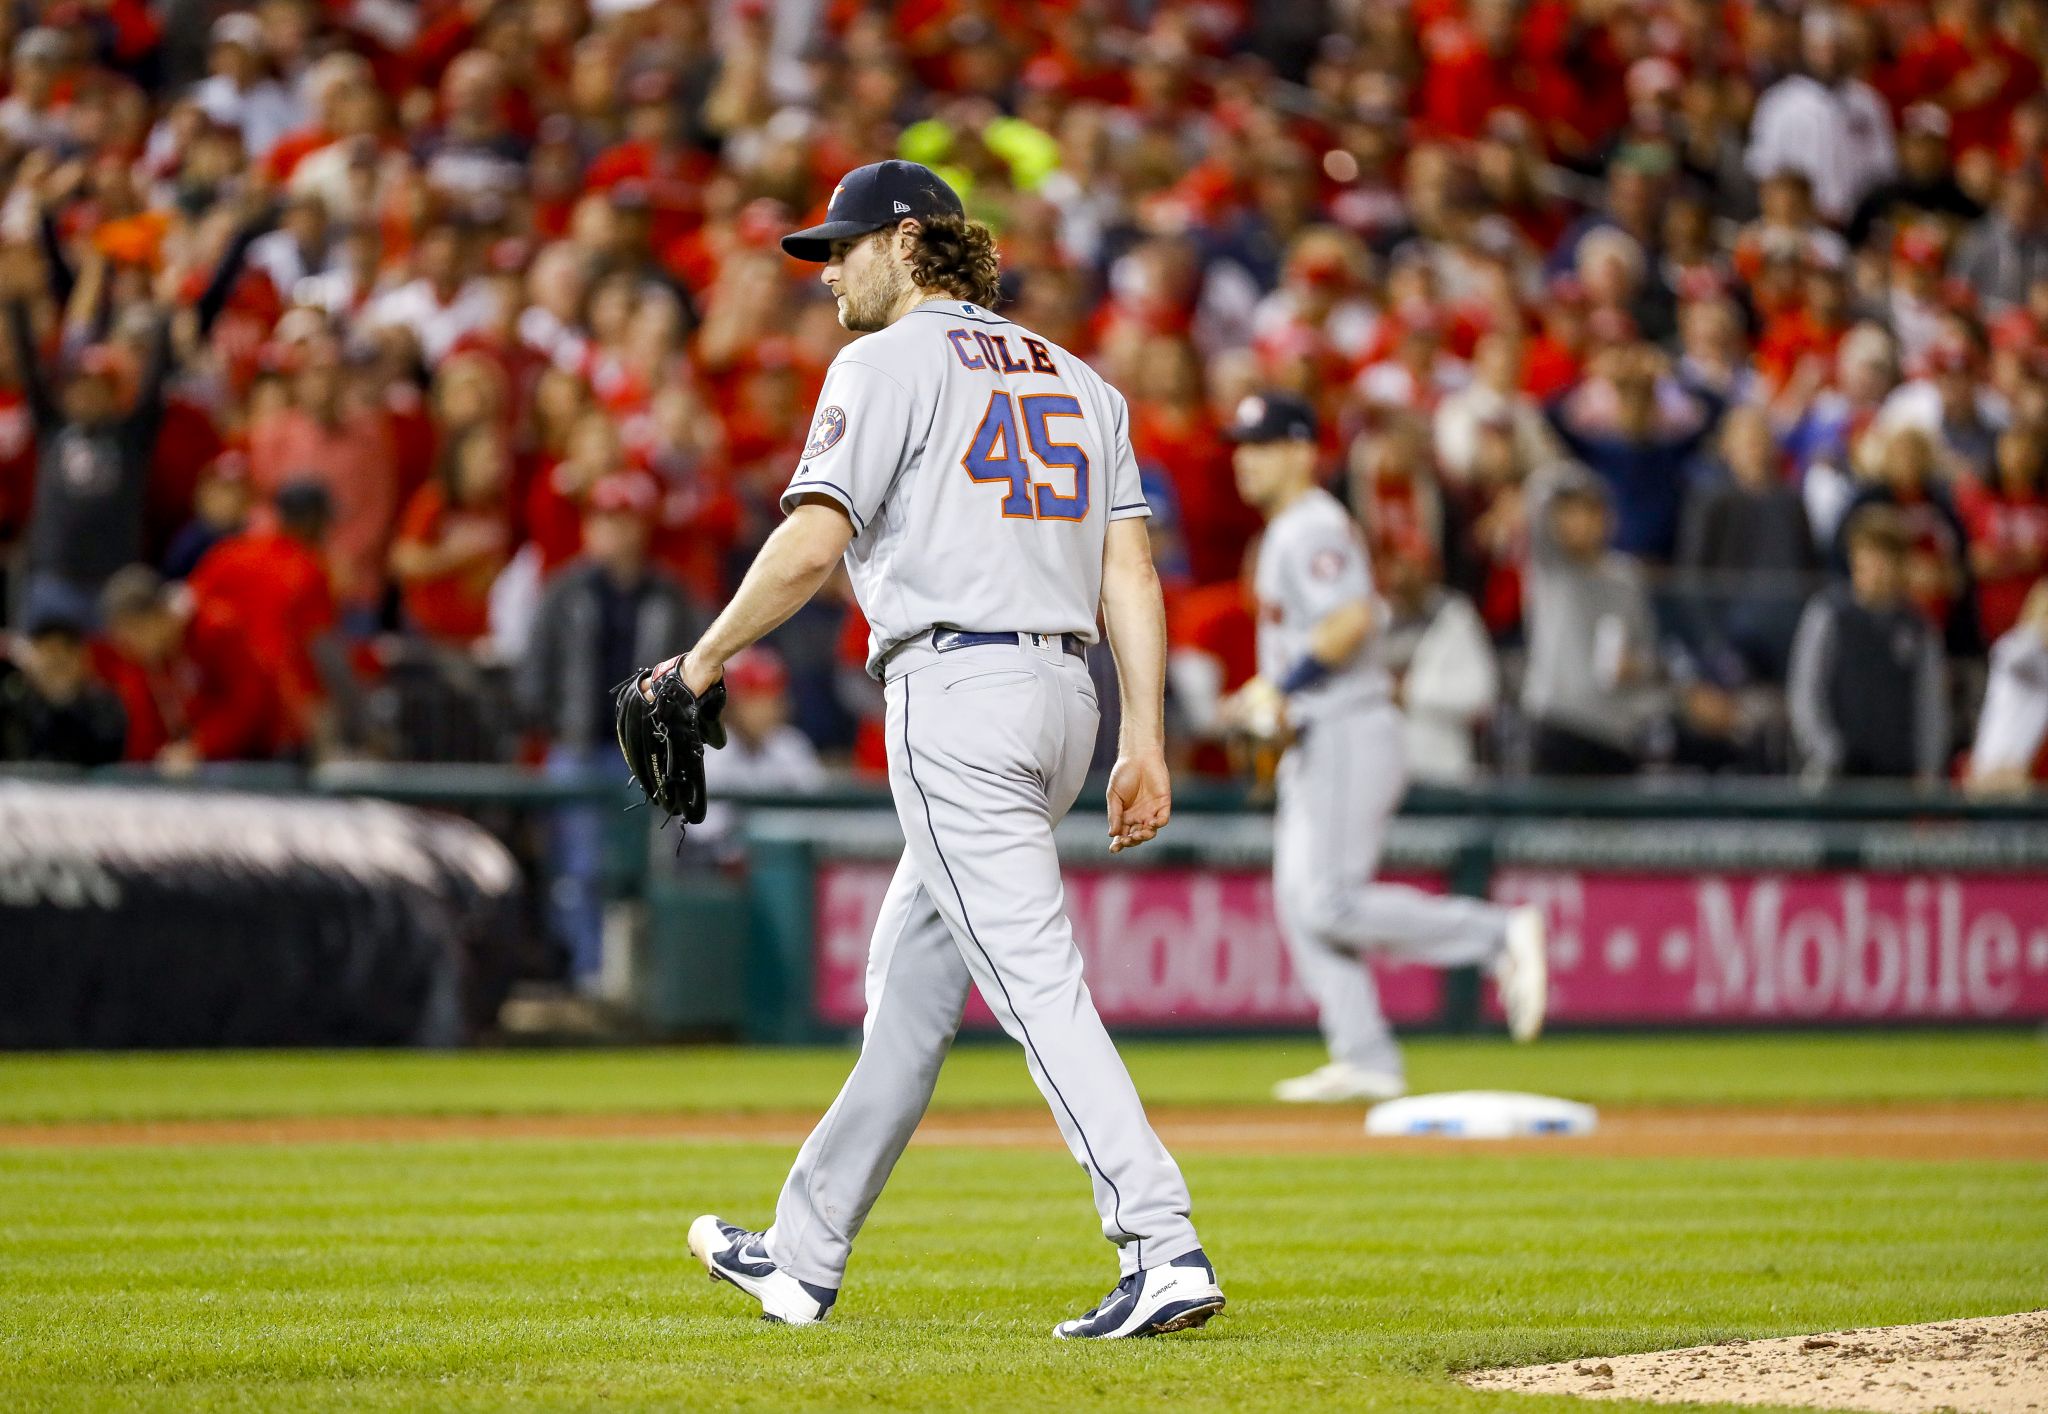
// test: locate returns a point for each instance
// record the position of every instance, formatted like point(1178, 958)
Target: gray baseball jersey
point(1311, 562)
point(1337, 788)
point(981, 466)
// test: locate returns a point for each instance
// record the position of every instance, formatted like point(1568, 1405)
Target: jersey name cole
point(980, 465)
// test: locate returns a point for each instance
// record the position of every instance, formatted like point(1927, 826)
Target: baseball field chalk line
point(1992, 1365)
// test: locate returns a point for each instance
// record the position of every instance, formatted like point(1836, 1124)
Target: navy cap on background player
point(1272, 417)
point(871, 197)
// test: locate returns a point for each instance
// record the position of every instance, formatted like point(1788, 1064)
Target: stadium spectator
point(1868, 688)
point(443, 301)
point(541, 217)
point(1747, 553)
point(1967, 64)
point(1824, 425)
point(1924, 188)
point(454, 539)
point(97, 431)
point(52, 706)
point(1824, 122)
point(273, 581)
point(763, 752)
point(331, 429)
point(1638, 430)
point(1433, 645)
point(1494, 397)
point(1951, 400)
point(1590, 687)
point(240, 94)
point(220, 509)
point(1392, 488)
point(605, 615)
point(1171, 427)
point(1937, 566)
point(185, 671)
point(2007, 251)
point(2006, 517)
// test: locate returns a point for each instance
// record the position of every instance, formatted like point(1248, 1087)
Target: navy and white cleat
point(1179, 1296)
point(733, 1254)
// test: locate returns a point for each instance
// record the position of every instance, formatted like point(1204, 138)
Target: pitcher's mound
point(1997, 1365)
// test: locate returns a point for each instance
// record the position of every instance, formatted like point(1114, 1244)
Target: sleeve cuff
point(799, 489)
point(1136, 510)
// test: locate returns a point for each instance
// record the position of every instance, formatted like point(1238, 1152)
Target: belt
point(945, 640)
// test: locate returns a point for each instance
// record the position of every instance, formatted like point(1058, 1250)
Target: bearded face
point(871, 283)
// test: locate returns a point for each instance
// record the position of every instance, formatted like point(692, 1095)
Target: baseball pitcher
point(1320, 695)
point(979, 483)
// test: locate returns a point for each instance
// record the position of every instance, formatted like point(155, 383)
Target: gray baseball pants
point(1338, 787)
point(988, 747)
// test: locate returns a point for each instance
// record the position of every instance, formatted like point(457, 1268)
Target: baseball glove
point(663, 729)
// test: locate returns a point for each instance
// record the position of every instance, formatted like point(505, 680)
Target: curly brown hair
point(957, 255)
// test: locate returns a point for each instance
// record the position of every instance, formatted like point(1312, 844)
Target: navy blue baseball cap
point(871, 197)
point(1272, 417)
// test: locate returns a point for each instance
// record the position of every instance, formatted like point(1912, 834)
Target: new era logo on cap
point(902, 208)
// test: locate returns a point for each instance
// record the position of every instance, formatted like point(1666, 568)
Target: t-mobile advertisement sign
point(1762, 947)
point(1201, 949)
point(1161, 948)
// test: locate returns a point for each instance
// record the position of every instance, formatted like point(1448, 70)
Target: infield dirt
point(2008, 1130)
point(1998, 1365)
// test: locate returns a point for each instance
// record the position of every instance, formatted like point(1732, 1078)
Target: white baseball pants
point(988, 748)
point(1338, 787)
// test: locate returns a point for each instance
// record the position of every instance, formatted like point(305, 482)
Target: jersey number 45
point(996, 454)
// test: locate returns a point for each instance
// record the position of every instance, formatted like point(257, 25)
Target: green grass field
point(550, 1274)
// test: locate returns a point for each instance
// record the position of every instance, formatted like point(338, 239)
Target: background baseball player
point(980, 484)
point(1342, 775)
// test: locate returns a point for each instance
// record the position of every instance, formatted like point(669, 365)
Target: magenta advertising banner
point(1761, 947)
point(1199, 948)
point(1163, 948)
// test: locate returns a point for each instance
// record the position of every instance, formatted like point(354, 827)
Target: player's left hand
point(1140, 800)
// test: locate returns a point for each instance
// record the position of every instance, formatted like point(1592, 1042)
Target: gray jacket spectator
point(1590, 686)
point(606, 616)
point(2007, 251)
point(1868, 691)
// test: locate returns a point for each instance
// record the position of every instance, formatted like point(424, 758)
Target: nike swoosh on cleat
point(736, 1260)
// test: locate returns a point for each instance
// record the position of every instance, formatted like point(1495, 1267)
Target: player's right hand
point(1140, 800)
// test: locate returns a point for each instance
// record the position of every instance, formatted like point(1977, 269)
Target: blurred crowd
point(389, 378)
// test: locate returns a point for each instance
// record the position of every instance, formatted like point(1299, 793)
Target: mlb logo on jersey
point(826, 430)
